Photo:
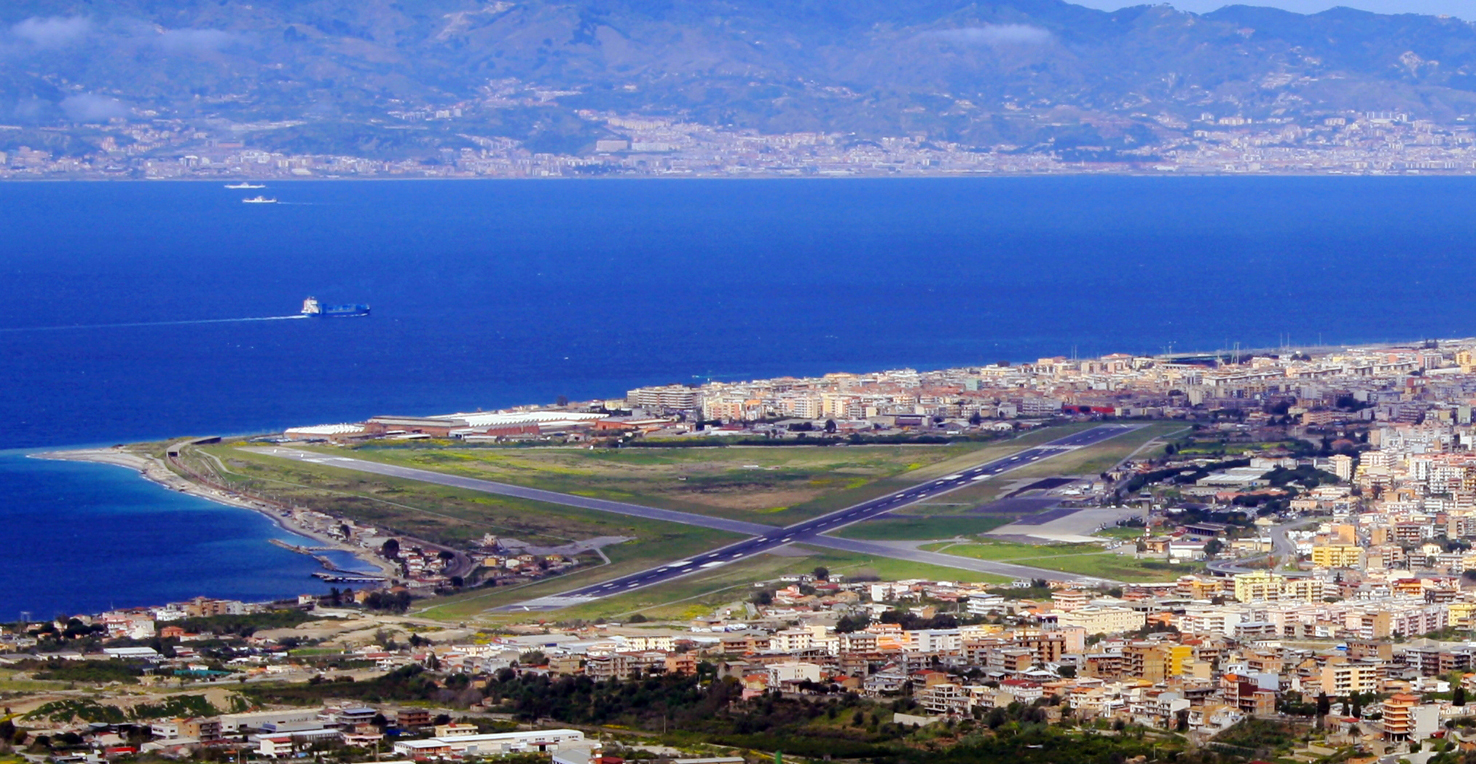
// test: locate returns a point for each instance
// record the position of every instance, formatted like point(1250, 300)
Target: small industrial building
point(499, 744)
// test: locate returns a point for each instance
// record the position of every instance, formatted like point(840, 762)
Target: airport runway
point(504, 489)
point(810, 531)
point(763, 537)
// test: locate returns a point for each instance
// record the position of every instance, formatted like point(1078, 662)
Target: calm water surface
point(497, 293)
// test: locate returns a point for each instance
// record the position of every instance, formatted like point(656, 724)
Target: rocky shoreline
point(155, 471)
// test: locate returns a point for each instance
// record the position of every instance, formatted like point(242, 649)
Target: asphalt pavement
point(763, 537)
point(1282, 548)
point(809, 531)
point(503, 489)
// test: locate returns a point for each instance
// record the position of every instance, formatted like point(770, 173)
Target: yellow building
point(1145, 660)
point(1199, 587)
point(1104, 620)
point(1302, 590)
point(1179, 656)
point(1461, 614)
point(1342, 677)
point(1400, 716)
point(1337, 556)
point(1260, 585)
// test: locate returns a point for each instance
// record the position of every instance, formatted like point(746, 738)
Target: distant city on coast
point(910, 466)
point(533, 90)
point(1344, 143)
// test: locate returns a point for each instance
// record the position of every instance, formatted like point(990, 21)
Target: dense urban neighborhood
point(1359, 143)
point(1237, 554)
point(1234, 556)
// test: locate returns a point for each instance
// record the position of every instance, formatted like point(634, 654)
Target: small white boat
point(259, 200)
point(242, 185)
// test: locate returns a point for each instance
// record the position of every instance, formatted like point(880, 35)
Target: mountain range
point(329, 75)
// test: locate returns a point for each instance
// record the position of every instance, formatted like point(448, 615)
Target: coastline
point(154, 471)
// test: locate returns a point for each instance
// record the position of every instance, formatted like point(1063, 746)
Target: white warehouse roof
point(326, 429)
point(490, 419)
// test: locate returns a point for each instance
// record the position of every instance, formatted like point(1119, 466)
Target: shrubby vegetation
point(409, 683)
point(245, 625)
point(88, 710)
point(1178, 475)
point(95, 672)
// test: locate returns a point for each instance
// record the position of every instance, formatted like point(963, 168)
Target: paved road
point(503, 489)
point(764, 537)
point(809, 531)
point(1282, 548)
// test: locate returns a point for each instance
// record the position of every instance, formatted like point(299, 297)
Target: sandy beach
point(155, 471)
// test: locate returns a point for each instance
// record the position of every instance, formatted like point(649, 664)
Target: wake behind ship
point(314, 309)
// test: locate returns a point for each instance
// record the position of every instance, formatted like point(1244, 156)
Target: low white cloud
point(53, 31)
point(30, 109)
point(992, 35)
point(87, 107)
point(195, 40)
point(1461, 9)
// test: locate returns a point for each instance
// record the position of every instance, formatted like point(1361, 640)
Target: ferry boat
point(314, 309)
point(259, 200)
point(243, 185)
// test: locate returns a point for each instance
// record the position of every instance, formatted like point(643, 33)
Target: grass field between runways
point(1082, 559)
point(699, 594)
point(773, 485)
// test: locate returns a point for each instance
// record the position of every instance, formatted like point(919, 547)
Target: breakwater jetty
point(331, 572)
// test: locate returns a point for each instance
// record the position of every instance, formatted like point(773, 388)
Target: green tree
point(1458, 697)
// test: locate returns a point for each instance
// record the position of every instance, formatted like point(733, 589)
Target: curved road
point(1281, 548)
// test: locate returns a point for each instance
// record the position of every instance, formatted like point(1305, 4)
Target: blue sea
point(488, 294)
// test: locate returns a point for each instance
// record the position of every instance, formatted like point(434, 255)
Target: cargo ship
point(314, 309)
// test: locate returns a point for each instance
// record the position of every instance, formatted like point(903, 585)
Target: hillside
point(380, 78)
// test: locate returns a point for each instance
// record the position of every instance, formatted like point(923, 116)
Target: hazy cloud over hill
point(378, 76)
point(52, 32)
point(993, 34)
point(195, 40)
point(86, 107)
point(1465, 9)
